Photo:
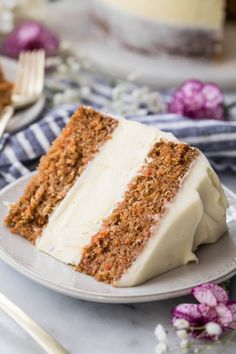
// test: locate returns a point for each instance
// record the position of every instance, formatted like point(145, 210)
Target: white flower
point(65, 45)
point(62, 68)
point(160, 333)
point(70, 96)
point(133, 76)
point(213, 329)
point(196, 350)
point(181, 323)
point(119, 107)
point(58, 99)
point(9, 4)
point(73, 63)
point(161, 348)
point(182, 334)
point(118, 91)
point(7, 21)
point(184, 344)
point(137, 95)
point(85, 91)
point(155, 102)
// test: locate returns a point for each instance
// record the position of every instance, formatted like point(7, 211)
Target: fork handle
point(49, 344)
point(4, 118)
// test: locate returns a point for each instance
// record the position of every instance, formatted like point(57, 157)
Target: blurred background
point(159, 43)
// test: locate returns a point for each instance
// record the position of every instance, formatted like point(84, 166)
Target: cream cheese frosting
point(196, 216)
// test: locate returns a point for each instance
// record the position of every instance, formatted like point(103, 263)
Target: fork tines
point(30, 73)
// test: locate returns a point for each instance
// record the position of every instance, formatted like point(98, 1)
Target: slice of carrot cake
point(120, 201)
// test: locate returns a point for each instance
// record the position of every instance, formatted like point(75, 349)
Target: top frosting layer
point(199, 13)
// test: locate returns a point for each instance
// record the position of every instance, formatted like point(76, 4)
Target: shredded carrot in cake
point(126, 231)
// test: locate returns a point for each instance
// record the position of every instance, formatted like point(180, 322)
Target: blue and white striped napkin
point(19, 152)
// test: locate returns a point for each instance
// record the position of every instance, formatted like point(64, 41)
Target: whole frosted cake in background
point(182, 27)
point(231, 9)
point(120, 201)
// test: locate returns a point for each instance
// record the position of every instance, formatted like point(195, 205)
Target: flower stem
point(227, 340)
point(228, 107)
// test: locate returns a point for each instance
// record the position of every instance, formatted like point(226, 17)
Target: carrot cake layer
point(120, 201)
point(78, 143)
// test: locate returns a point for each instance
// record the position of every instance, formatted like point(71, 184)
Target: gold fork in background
point(28, 86)
point(49, 344)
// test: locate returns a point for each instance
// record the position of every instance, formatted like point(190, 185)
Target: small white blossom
point(85, 91)
point(73, 64)
point(161, 348)
point(184, 345)
point(62, 68)
point(6, 21)
point(10, 4)
point(119, 107)
point(70, 95)
point(53, 61)
point(155, 102)
point(182, 334)
point(132, 76)
point(144, 90)
point(160, 333)
point(58, 99)
point(196, 350)
point(75, 67)
point(213, 329)
point(118, 92)
point(65, 45)
point(132, 108)
point(137, 95)
point(181, 323)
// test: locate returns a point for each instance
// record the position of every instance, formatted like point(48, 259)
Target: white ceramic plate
point(25, 116)
point(217, 262)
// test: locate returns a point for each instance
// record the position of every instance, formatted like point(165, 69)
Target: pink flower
point(214, 306)
point(198, 100)
point(30, 35)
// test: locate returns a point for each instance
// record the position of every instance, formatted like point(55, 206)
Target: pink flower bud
point(30, 35)
point(198, 100)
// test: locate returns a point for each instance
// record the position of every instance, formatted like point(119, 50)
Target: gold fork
point(28, 86)
point(49, 344)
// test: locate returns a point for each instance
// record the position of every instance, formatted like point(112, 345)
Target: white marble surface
point(84, 327)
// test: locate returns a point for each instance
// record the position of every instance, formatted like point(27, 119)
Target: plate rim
point(89, 295)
